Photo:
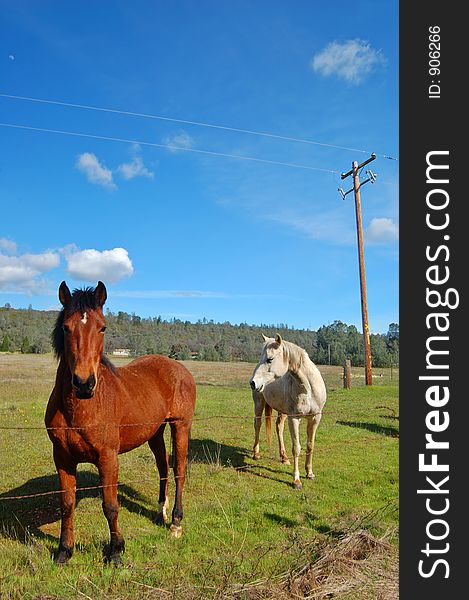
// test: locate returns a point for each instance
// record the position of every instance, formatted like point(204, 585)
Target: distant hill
point(29, 330)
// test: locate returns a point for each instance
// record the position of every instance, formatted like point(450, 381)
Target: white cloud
point(92, 265)
point(352, 60)
point(181, 140)
point(8, 245)
point(23, 272)
point(136, 168)
point(41, 262)
point(95, 172)
point(381, 231)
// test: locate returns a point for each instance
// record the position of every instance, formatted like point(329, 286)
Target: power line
point(186, 122)
point(166, 146)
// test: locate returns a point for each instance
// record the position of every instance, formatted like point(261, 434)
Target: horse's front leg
point(259, 405)
point(294, 426)
point(108, 467)
point(67, 471)
point(313, 423)
point(280, 425)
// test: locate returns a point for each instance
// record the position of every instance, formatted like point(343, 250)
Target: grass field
point(247, 532)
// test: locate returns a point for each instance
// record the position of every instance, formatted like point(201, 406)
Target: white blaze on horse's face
point(271, 365)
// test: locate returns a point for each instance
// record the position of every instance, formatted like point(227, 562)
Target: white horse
point(288, 381)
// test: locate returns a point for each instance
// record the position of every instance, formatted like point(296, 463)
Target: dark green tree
point(25, 346)
point(180, 352)
point(205, 339)
point(5, 346)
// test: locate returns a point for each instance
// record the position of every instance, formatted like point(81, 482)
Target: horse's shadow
point(373, 427)
point(25, 509)
point(21, 517)
point(215, 454)
point(276, 473)
point(219, 455)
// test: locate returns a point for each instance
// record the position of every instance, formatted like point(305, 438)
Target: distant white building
point(121, 352)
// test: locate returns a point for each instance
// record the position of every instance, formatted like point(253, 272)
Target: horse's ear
point(265, 337)
point(278, 338)
point(64, 294)
point(100, 293)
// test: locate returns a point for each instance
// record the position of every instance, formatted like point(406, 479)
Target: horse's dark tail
point(268, 424)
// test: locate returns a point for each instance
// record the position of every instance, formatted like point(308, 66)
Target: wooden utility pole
point(361, 263)
point(361, 259)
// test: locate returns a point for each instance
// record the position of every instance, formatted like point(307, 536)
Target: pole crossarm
point(371, 177)
point(345, 175)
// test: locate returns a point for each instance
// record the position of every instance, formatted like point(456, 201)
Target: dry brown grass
point(232, 374)
point(357, 566)
point(42, 367)
point(25, 368)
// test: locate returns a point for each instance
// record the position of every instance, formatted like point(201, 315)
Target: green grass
point(243, 521)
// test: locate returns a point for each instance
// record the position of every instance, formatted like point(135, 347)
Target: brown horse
point(97, 411)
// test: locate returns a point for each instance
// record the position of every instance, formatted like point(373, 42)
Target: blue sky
point(160, 209)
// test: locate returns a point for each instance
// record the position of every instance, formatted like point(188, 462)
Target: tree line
point(29, 331)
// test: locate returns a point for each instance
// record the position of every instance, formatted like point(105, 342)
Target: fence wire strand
point(169, 421)
point(150, 423)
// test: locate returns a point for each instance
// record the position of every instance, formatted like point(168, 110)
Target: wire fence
point(160, 422)
point(106, 427)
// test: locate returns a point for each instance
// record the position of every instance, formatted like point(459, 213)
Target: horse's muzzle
point(254, 387)
point(84, 388)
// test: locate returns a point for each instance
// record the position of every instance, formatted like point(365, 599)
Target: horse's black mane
point(81, 300)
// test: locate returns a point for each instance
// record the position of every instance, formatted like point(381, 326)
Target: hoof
point(113, 553)
point(310, 475)
point(256, 456)
point(176, 531)
point(63, 556)
point(114, 560)
point(285, 460)
point(297, 484)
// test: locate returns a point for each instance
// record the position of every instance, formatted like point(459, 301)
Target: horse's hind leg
point(158, 448)
point(67, 477)
point(108, 467)
point(313, 423)
point(180, 433)
point(280, 424)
